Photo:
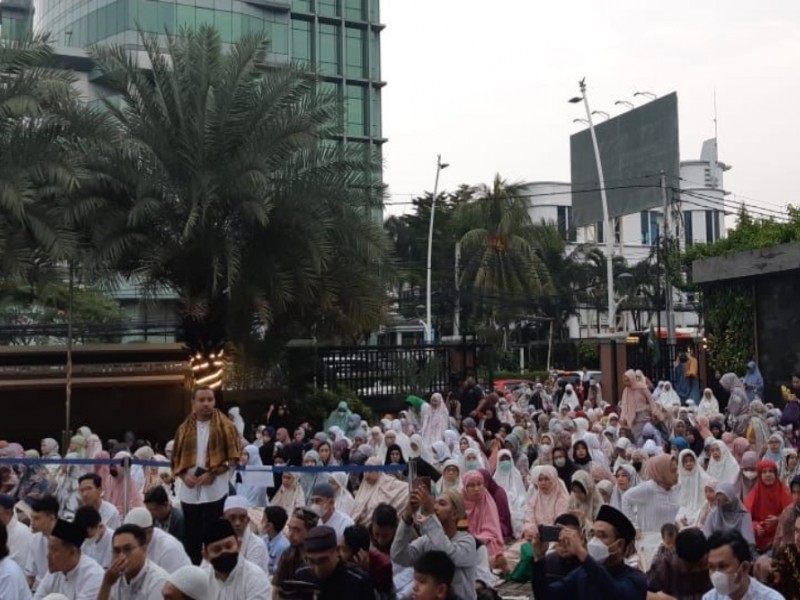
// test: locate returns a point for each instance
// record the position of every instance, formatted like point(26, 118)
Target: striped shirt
point(653, 506)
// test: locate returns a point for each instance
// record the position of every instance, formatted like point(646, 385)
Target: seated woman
point(482, 516)
point(766, 502)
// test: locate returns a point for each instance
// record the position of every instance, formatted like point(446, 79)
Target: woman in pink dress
point(637, 406)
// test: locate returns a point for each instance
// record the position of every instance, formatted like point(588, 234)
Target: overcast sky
point(486, 83)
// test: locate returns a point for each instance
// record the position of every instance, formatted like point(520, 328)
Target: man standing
point(602, 572)
point(252, 547)
point(19, 535)
point(334, 579)
point(231, 577)
point(163, 549)
point(132, 576)
point(90, 487)
point(206, 448)
point(72, 574)
point(471, 396)
point(323, 503)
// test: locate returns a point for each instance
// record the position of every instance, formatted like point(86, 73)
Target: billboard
point(635, 147)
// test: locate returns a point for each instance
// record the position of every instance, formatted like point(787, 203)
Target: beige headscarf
point(385, 490)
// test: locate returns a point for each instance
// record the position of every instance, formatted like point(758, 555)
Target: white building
point(698, 218)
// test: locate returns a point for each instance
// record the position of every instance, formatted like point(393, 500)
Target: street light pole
point(609, 233)
point(428, 320)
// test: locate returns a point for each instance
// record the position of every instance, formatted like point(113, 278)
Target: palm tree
point(42, 124)
point(500, 262)
point(220, 187)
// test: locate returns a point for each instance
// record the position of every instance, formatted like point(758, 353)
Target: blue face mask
point(471, 465)
point(506, 466)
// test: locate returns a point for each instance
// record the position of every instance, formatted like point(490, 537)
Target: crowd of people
point(665, 492)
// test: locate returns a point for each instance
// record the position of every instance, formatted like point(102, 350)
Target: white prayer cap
point(191, 581)
point(623, 443)
point(139, 516)
point(234, 502)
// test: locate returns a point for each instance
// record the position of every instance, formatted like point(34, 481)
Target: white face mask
point(723, 582)
point(749, 474)
point(316, 509)
point(546, 448)
point(597, 550)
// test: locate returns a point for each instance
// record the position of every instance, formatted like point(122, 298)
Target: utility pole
point(457, 308)
point(667, 243)
point(68, 403)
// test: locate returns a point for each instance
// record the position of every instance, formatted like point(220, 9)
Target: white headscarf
point(435, 420)
point(570, 399)
point(691, 490)
point(511, 482)
point(344, 501)
point(441, 453)
point(238, 421)
point(441, 486)
point(726, 469)
point(668, 396)
point(709, 405)
point(422, 451)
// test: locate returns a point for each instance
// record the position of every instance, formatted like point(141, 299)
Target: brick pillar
point(608, 369)
point(622, 366)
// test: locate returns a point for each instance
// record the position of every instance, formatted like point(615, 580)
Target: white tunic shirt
point(167, 552)
point(12, 581)
point(756, 591)
point(147, 585)
point(203, 494)
point(19, 541)
point(36, 565)
point(82, 583)
point(100, 550)
point(339, 522)
point(255, 550)
point(245, 581)
point(109, 515)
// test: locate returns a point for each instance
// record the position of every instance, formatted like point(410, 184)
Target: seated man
point(560, 562)
point(382, 530)
point(187, 583)
point(729, 563)
point(98, 536)
point(355, 550)
point(165, 515)
point(132, 574)
point(163, 549)
point(433, 577)
point(90, 487)
point(273, 522)
point(602, 573)
point(44, 516)
point(324, 504)
point(253, 547)
point(231, 576)
point(300, 523)
point(19, 535)
point(75, 576)
point(330, 575)
point(683, 574)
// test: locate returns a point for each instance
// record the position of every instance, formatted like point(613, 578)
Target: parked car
point(504, 386)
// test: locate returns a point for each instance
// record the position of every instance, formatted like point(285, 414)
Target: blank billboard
point(635, 147)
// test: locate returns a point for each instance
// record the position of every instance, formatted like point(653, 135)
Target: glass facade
point(16, 19)
point(340, 39)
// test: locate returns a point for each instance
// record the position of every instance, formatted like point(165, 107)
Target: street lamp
point(609, 237)
point(428, 322)
point(602, 113)
point(624, 103)
point(650, 95)
point(584, 121)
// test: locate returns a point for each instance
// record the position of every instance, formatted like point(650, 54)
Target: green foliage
point(589, 353)
point(314, 406)
point(219, 185)
point(506, 360)
point(414, 378)
point(729, 314)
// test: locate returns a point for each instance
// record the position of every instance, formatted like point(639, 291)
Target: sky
point(486, 83)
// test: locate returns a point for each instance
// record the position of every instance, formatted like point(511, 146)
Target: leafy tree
point(219, 185)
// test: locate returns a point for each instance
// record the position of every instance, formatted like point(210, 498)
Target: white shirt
point(109, 515)
point(245, 581)
point(339, 522)
point(19, 541)
point(205, 493)
point(756, 591)
point(167, 552)
point(36, 565)
point(82, 583)
point(653, 505)
point(147, 585)
point(12, 581)
point(100, 550)
point(255, 550)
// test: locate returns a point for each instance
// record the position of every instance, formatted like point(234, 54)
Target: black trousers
point(195, 517)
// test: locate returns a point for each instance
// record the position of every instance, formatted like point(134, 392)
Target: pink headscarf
point(660, 470)
point(482, 516)
point(544, 508)
point(740, 446)
point(628, 403)
point(114, 487)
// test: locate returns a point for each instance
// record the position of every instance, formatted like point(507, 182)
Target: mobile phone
point(423, 482)
point(548, 533)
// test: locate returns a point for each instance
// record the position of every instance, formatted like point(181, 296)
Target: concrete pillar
point(608, 369)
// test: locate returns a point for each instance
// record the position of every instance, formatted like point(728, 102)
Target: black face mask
point(637, 466)
point(225, 563)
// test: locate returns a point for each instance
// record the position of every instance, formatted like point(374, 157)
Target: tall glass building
point(16, 19)
point(340, 39)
